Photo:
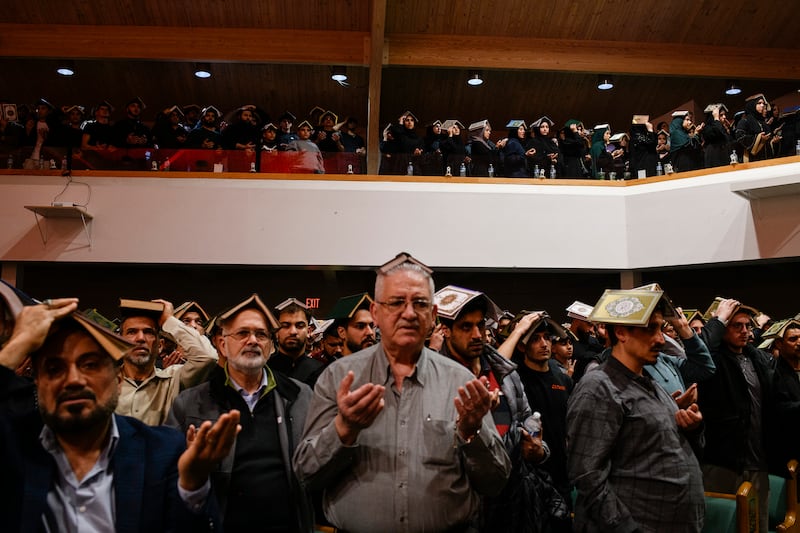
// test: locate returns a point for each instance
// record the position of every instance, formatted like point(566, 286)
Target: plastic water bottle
point(349, 169)
point(552, 172)
point(154, 166)
point(147, 155)
point(53, 164)
point(797, 148)
point(536, 171)
point(734, 159)
point(64, 163)
point(491, 170)
point(462, 170)
point(533, 425)
point(253, 167)
point(448, 173)
point(410, 169)
point(10, 162)
point(659, 169)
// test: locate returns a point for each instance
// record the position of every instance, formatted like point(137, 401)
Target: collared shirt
point(266, 385)
point(85, 505)
point(409, 470)
point(631, 464)
point(151, 400)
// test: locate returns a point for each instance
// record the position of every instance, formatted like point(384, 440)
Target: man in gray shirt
point(399, 437)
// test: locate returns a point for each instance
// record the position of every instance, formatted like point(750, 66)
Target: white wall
point(311, 222)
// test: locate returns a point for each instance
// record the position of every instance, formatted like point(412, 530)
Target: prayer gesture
point(357, 409)
point(472, 404)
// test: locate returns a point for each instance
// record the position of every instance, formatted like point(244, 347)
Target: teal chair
point(732, 513)
point(783, 505)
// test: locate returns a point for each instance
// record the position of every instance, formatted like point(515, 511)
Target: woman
point(644, 154)
point(685, 149)
point(717, 136)
point(574, 150)
point(484, 152)
point(622, 161)
point(454, 151)
point(602, 150)
point(514, 156)
point(754, 133)
point(433, 137)
point(548, 156)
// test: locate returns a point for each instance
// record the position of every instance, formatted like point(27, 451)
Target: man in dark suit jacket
point(784, 427)
point(86, 467)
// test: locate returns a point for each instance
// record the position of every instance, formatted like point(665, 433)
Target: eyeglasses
point(420, 305)
point(241, 335)
point(736, 326)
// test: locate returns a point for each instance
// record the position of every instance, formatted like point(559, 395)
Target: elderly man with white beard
point(254, 485)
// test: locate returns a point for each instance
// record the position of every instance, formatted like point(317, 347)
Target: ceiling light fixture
point(732, 88)
point(475, 78)
point(604, 82)
point(202, 70)
point(339, 74)
point(66, 68)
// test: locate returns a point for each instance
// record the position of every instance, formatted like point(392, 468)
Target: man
point(351, 140)
point(98, 134)
point(254, 484)
point(206, 134)
point(736, 402)
point(397, 436)
point(631, 456)
point(87, 469)
point(462, 313)
point(784, 426)
point(587, 349)
point(327, 138)
point(353, 322)
point(331, 345)
point(147, 391)
point(547, 389)
point(291, 342)
point(130, 132)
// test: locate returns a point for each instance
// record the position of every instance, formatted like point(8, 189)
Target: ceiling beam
point(607, 57)
point(267, 45)
point(159, 43)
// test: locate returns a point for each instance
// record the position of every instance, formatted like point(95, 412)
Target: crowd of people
point(409, 409)
point(537, 149)
point(540, 149)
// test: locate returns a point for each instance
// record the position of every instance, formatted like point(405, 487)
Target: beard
point(140, 360)
point(248, 360)
point(75, 420)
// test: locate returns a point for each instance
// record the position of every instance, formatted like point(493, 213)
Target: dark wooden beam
point(375, 77)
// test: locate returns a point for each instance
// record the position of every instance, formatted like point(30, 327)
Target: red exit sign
point(312, 303)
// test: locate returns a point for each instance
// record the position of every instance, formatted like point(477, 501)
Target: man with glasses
point(398, 437)
point(147, 392)
point(735, 403)
point(254, 485)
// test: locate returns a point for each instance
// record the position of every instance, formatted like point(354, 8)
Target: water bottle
point(253, 167)
point(541, 173)
point(64, 163)
point(53, 164)
point(10, 162)
point(797, 148)
point(552, 172)
point(147, 155)
point(154, 166)
point(491, 170)
point(462, 170)
point(536, 171)
point(659, 169)
point(734, 159)
point(533, 425)
point(349, 169)
point(448, 173)
point(410, 169)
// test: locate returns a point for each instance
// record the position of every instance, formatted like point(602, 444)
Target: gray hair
point(403, 267)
